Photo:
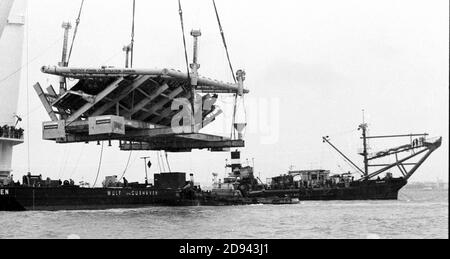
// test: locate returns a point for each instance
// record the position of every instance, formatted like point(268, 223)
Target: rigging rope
point(78, 161)
point(75, 31)
point(180, 11)
point(162, 161)
point(126, 167)
point(30, 61)
point(347, 162)
point(99, 165)
point(159, 165)
point(28, 96)
point(222, 33)
point(65, 160)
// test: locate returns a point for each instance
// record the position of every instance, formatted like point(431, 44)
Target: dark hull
point(71, 198)
point(369, 190)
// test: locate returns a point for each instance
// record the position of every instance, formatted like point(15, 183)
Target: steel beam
point(431, 150)
point(203, 137)
point(135, 85)
point(370, 176)
point(211, 118)
point(136, 135)
point(326, 140)
point(399, 136)
point(148, 100)
point(52, 91)
point(76, 115)
point(393, 152)
point(48, 107)
point(83, 126)
point(207, 98)
point(384, 165)
point(182, 146)
point(161, 104)
point(79, 73)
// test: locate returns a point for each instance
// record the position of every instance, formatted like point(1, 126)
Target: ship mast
point(363, 127)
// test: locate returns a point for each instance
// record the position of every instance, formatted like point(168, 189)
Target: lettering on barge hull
point(131, 193)
point(4, 192)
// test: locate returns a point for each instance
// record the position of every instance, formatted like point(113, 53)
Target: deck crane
point(420, 145)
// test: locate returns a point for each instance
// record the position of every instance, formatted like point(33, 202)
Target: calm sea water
point(418, 214)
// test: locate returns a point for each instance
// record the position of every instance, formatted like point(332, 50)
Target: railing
point(10, 132)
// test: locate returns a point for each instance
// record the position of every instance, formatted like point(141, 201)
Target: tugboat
point(241, 182)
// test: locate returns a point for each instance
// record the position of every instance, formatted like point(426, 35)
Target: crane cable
point(78, 161)
point(222, 33)
point(167, 161)
point(28, 94)
point(159, 164)
point(132, 33)
point(99, 164)
point(126, 167)
point(131, 65)
point(162, 161)
point(180, 11)
point(75, 30)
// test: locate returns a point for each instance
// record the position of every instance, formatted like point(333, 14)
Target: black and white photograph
point(240, 121)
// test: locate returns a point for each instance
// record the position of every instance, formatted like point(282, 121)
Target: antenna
point(364, 116)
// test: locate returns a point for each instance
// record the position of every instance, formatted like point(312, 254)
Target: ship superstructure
point(12, 24)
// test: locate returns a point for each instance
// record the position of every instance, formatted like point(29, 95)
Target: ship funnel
point(240, 127)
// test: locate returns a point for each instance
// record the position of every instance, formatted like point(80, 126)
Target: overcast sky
point(312, 66)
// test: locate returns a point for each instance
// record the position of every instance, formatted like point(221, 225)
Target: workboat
point(364, 183)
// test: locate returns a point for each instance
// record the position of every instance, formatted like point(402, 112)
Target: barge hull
point(368, 190)
point(53, 199)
